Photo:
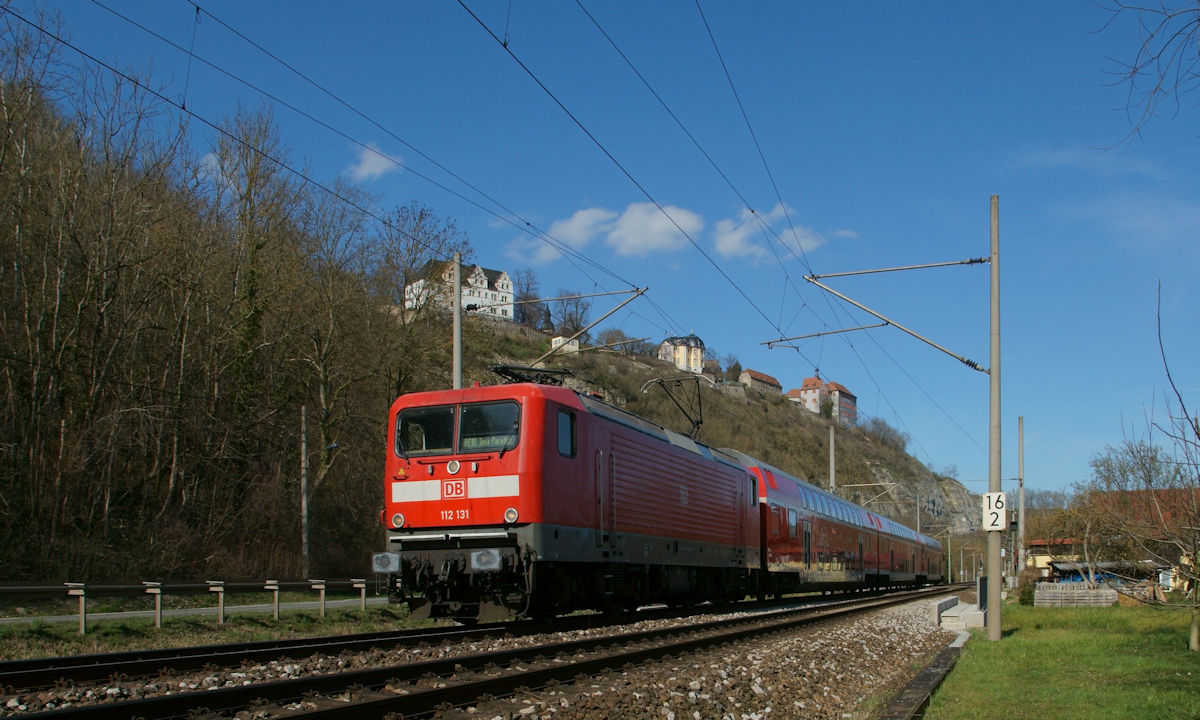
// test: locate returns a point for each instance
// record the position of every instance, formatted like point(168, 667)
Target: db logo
point(454, 489)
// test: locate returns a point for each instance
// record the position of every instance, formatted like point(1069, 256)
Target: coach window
point(566, 433)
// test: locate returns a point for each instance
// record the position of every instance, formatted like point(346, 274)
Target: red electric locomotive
point(815, 540)
point(535, 500)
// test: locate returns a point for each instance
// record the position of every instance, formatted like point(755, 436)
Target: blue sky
point(882, 130)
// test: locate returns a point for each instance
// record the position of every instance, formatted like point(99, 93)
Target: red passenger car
point(534, 500)
point(815, 540)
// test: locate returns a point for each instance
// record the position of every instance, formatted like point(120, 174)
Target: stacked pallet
point(1072, 595)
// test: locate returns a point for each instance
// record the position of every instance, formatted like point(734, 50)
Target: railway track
point(37, 673)
point(416, 689)
point(46, 672)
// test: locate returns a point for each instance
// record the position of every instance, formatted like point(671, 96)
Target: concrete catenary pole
point(993, 537)
point(832, 468)
point(1020, 493)
point(303, 492)
point(456, 310)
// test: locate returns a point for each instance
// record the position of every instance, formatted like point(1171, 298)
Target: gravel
point(837, 670)
point(824, 671)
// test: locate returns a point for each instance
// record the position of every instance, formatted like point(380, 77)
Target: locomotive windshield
point(482, 427)
point(490, 426)
point(425, 431)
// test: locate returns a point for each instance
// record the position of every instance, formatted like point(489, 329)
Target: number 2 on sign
point(995, 511)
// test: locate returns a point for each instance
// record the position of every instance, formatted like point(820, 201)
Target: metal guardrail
point(157, 589)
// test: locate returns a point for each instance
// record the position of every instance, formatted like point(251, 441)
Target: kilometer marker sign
point(995, 512)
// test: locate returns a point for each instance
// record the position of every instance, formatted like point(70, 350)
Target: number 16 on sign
point(995, 511)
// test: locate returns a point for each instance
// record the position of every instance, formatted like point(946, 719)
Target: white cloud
point(640, 230)
point(806, 239)
point(1095, 160)
point(643, 229)
point(743, 236)
point(582, 227)
point(737, 237)
point(577, 232)
point(1146, 221)
point(373, 164)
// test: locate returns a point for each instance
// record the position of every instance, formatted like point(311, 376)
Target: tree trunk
point(1194, 637)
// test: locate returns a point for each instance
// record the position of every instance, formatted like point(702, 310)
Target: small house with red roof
point(761, 382)
point(814, 392)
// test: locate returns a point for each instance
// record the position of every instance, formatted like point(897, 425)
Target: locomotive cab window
point(489, 427)
point(566, 433)
point(425, 431)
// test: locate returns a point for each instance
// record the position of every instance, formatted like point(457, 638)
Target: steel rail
point(654, 644)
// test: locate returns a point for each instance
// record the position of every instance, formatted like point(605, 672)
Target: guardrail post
point(79, 590)
point(155, 589)
point(360, 584)
point(218, 586)
point(273, 586)
point(319, 586)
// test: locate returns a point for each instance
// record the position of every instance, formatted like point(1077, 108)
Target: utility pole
point(456, 310)
point(1021, 492)
point(993, 537)
point(303, 492)
point(832, 468)
point(994, 503)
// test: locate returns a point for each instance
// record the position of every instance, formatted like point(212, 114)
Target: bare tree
point(570, 312)
point(526, 310)
point(1145, 496)
point(413, 244)
point(733, 368)
point(1166, 65)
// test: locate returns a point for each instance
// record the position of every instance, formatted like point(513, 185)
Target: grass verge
point(55, 639)
point(1076, 663)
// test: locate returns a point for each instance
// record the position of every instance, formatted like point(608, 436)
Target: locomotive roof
point(611, 412)
point(583, 401)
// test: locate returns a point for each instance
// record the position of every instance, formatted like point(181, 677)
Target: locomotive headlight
point(398, 520)
point(510, 516)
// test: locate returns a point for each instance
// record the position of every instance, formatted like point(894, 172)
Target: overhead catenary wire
point(316, 184)
point(813, 275)
point(758, 146)
point(572, 256)
point(514, 220)
point(619, 165)
point(217, 128)
point(764, 227)
point(803, 256)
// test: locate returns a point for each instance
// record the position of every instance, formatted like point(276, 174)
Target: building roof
point(812, 383)
point(838, 387)
point(795, 394)
point(432, 268)
point(687, 340)
point(762, 377)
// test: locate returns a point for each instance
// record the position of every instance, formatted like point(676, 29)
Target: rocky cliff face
point(943, 503)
